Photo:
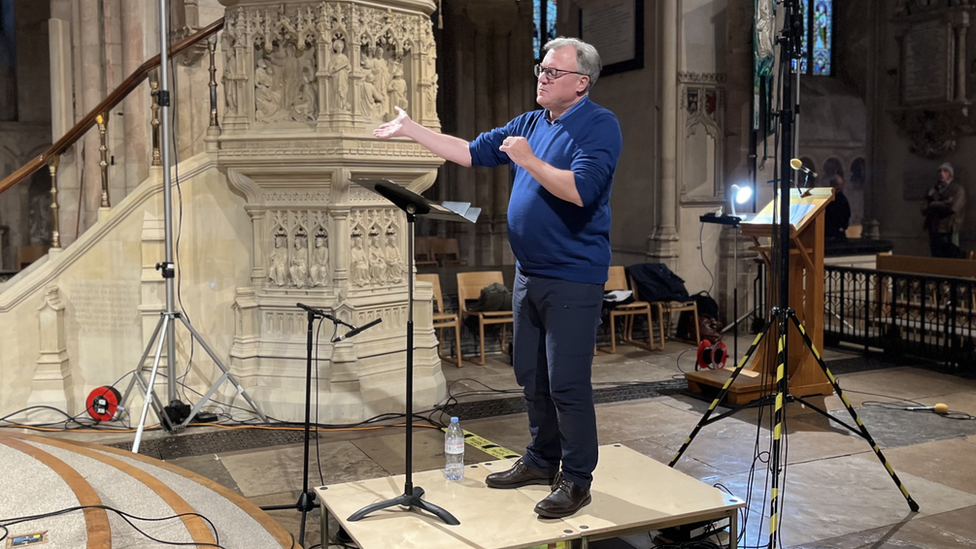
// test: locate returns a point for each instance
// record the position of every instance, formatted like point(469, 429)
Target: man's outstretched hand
point(395, 127)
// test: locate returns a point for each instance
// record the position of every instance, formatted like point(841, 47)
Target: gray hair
point(587, 59)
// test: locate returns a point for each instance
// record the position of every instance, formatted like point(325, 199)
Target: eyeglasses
point(553, 73)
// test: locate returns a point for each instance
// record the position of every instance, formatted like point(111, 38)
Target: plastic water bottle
point(454, 451)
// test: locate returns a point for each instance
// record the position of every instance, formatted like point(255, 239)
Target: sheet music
point(797, 213)
point(463, 209)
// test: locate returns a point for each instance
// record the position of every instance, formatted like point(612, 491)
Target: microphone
point(312, 310)
point(355, 331)
point(940, 408)
point(797, 164)
point(323, 314)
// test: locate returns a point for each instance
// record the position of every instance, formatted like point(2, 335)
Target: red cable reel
point(711, 356)
point(103, 403)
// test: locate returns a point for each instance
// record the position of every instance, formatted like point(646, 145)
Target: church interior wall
point(25, 117)
point(904, 176)
point(633, 96)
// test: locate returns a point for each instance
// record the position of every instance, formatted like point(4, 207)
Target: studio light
point(740, 195)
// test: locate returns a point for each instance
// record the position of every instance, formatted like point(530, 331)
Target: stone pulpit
point(305, 83)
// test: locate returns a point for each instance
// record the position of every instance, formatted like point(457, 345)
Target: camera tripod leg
point(721, 395)
point(158, 406)
point(782, 390)
point(850, 409)
point(213, 388)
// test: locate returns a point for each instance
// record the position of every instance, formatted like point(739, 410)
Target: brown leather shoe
point(518, 476)
point(566, 498)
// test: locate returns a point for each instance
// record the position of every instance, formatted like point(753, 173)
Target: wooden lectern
point(805, 376)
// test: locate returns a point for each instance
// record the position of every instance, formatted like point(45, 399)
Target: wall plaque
point(616, 30)
point(926, 74)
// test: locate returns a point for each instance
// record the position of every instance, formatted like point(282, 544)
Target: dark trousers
point(941, 245)
point(554, 336)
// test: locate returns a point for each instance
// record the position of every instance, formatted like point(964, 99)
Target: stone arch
point(831, 168)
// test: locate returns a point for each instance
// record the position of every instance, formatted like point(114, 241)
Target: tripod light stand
point(306, 501)
point(166, 327)
point(413, 205)
point(785, 316)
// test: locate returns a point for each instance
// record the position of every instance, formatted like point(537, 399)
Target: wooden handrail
point(113, 99)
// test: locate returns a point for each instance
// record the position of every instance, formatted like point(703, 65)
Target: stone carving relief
point(375, 249)
point(278, 258)
point(338, 73)
point(368, 60)
point(700, 152)
point(299, 249)
point(319, 264)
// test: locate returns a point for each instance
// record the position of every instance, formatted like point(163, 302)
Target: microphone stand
point(306, 501)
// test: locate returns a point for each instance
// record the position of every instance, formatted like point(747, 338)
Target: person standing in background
point(943, 211)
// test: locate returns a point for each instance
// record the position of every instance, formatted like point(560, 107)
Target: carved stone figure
point(267, 102)
point(230, 87)
point(279, 257)
point(371, 105)
point(431, 96)
point(285, 64)
point(303, 108)
point(339, 69)
point(397, 91)
point(377, 260)
point(359, 264)
point(381, 78)
point(319, 271)
point(394, 261)
point(299, 265)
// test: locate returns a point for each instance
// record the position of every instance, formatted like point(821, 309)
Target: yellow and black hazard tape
point(494, 450)
point(488, 446)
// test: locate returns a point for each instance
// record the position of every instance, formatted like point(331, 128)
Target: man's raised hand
point(393, 128)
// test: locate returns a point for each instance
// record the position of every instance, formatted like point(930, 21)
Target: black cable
point(6, 523)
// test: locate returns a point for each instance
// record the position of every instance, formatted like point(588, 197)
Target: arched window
point(815, 43)
point(544, 18)
point(831, 168)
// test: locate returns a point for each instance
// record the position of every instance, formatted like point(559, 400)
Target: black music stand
point(413, 205)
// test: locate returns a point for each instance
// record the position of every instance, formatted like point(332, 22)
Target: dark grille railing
point(920, 315)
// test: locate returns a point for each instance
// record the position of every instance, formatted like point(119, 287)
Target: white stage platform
point(631, 493)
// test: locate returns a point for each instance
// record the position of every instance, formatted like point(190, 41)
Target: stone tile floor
point(837, 494)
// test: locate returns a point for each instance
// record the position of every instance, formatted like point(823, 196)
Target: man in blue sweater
point(562, 159)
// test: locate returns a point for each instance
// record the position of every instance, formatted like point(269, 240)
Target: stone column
point(663, 241)
point(92, 92)
point(874, 100)
point(483, 121)
point(136, 154)
point(502, 111)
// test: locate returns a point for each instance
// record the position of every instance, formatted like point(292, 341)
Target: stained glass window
point(544, 24)
point(816, 39)
point(822, 23)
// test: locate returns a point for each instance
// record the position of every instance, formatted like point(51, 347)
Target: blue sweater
point(552, 237)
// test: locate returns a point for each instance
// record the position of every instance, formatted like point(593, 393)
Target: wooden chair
point(29, 254)
point(469, 287)
point(445, 251)
point(617, 280)
point(421, 252)
point(665, 309)
point(444, 320)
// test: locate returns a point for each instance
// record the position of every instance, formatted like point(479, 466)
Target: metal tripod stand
point(165, 328)
point(783, 315)
point(784, 318)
